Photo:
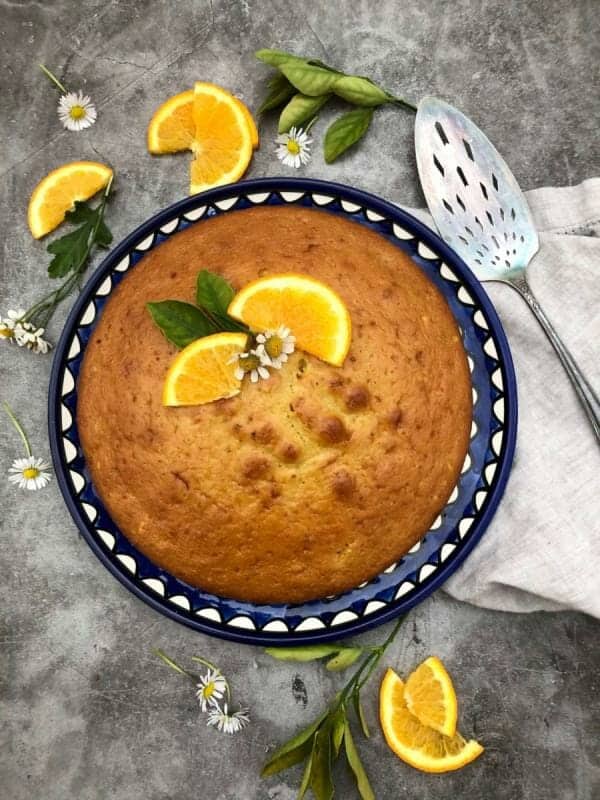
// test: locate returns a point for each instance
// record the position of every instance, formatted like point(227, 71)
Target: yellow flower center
point(77, 112)
point(30, 473)
point(6, 333)
point(274, 346)
point(293, 147)
point(208, 690)
point(248, 363)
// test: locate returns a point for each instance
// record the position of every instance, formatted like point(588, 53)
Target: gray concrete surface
point(86, 711)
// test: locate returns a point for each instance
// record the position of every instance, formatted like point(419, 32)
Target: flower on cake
point(293, 148)
point(211, 688)
point(275, 347)
point(249, 363)
point(226, 722)
point(30, 472)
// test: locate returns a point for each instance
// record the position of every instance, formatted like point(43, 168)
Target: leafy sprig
point(320, 744)
point(305, 85)
point(183, 323)
point(71, 253)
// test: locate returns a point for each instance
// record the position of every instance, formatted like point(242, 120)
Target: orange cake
point(308, 483)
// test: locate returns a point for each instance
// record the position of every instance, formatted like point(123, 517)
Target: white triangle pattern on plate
point(66, 418)
point(427, 570)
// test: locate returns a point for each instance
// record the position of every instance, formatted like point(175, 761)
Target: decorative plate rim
point(375, 209)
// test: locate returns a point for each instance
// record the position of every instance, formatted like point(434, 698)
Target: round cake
point(308, 483)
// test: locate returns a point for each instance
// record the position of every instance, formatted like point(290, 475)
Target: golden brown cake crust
point(309, 483)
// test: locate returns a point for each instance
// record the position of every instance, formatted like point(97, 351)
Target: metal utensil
point(481, 212)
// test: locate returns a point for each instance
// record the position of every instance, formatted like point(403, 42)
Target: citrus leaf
point(308, 653)
point(301, 108)
point(321, 781)
point(280, 90)
point(294, 750)
point(213, 292)
point(181, 323)
point(276, 58)
point(306, 777)
point(345, 658)
point(346, 131)
point(362, 782)
point(360, 714)
point(360, 91)
point(337, 733)
point(308, 79)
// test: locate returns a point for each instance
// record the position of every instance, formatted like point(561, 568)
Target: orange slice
point(202, 372)
point(172, 128)
point(57, 192)
point(430, 696)
point(315, 314)
point(415, 743)
point(250, 122)
point(223, 140)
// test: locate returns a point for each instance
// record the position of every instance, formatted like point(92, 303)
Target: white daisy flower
point(29, 473)
point(211, 689)
point(249, 363)
point(26, 335)
point(228, 723)
point(293, 148)
point(275, 347)
point(9, 323)
point(76, 111)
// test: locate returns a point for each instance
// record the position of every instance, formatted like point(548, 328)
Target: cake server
point(480, 210)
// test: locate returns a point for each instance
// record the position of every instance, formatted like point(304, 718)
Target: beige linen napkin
point(542, 549)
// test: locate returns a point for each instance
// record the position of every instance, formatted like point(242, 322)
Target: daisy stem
point(53, 78)
point(173, 665)
point(18, 427)
point(311, 123)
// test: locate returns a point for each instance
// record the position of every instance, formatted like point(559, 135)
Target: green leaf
point(337, 733)
point(321, 781)
point(360, 714)
point(69, 250)
point(345, 658)
point(316, 62)
point(276, 58)
point(362, 782)
point(213, 292)
point(182, 323)
point(360, 91)
point(280, 90)
point(346, 131)
point(80, 212)
point(294, 750)
point(306, 776)
point(103, 235)
point(308, 79)
point(301, 108)
point(308, 653)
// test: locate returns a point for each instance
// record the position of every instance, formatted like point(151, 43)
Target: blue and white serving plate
point(453, 534)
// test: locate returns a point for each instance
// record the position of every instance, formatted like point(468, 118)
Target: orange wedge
point(202, 372)
point(415, 743)
point(315, 314)
point(223, 140)
point(430, 696)
point(172, 128)
point(216, 126)
point(57, 192)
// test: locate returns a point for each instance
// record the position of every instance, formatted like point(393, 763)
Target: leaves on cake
point(182, 323)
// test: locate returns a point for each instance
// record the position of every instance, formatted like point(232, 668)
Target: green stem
point(311, 123)
point(398, 101)
point(18, 427)
point(174, 665)
point(53, 78)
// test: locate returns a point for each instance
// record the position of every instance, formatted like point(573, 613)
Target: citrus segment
point(250, 122)
point(172, 128)
point(430, 696)
point(57, 192)
point(315, 314)
point(415, 743)
point(223, 141)
point(202, 372)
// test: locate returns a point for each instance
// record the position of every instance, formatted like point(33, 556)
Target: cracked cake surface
point(303, 485)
